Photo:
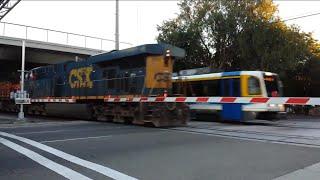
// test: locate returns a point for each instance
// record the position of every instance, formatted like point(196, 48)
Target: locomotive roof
point(154, 49)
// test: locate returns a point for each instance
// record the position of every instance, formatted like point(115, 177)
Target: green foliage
point(240, 34)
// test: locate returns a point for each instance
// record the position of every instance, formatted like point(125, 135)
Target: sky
point(138, 20)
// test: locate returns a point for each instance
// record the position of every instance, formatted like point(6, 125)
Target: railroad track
point(301, 140)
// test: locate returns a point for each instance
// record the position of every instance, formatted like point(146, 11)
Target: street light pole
point(21, 113)
point(117, 26)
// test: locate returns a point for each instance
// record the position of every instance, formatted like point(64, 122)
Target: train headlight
point(272, 105)
point(281, 107)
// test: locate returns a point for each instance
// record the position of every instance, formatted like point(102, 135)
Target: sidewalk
point(8, 118)
point(11, 120)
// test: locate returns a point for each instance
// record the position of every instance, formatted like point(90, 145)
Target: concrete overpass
point(46, 50)
point(41, 52)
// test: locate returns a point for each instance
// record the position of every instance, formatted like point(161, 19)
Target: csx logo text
point(162, 77)
point(80, 78)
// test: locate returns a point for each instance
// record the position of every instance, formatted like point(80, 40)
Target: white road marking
point(90, 165)
point(62, 170)
point(40, 132)
point(309, 172)
point(70, 130)
point(41, 124)
point(74, 139)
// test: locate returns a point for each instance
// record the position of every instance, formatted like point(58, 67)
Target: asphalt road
point(140, 152)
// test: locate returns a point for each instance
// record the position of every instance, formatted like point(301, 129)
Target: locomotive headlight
point(168, 53)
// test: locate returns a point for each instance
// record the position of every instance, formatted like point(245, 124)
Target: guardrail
point(58, 37)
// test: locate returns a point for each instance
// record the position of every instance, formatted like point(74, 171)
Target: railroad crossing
point(131, 117)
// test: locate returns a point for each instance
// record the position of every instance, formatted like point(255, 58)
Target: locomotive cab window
point(109, 76)
point(109, 73)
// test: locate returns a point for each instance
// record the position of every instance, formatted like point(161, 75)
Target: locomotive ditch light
point(168, 53)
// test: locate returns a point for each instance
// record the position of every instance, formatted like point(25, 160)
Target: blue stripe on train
point(233, 73)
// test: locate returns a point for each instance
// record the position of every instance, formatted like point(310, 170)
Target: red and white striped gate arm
point(53, 100)
point(264, 100)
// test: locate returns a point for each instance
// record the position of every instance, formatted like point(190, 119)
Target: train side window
point(225, 87)
point(236, 87)
point(176, 88)
point(210, 88)
point(194, 88)
point(254, 86)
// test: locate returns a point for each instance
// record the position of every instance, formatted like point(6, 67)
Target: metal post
point(21, 113)
point(4, 28)
point(47, 35)
point(117, 26)
point(67, 38)
point(26, 32)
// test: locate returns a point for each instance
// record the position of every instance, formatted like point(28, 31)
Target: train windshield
point(273, 85)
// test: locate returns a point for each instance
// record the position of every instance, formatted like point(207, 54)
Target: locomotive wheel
point(117, 114)
point(165, 117)
point(138, 115)
point(97, 113)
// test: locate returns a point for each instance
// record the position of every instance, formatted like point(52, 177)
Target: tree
point(239, 34)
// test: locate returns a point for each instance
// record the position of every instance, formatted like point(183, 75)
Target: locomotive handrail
point(117, 78)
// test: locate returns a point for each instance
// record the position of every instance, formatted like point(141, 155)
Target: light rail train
point(194, 83)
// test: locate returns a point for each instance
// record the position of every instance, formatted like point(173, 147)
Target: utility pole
point(21, 113)
point(117, 26)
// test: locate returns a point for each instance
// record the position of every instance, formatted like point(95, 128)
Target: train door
point(230, 87)
point(111, 78)
point(59, 80)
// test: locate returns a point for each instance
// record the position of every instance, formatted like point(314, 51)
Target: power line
point(300, 17)
point(302, 14)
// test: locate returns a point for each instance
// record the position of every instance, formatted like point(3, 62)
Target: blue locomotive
point(144, 70)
